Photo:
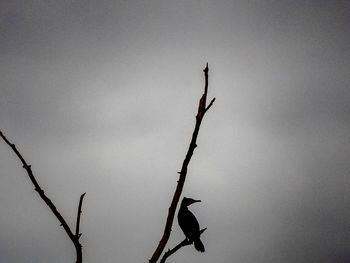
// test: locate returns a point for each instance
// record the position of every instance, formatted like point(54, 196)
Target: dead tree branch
point(77, 234)
point(167, 254)
point(48, 202)
point(202, 109)
point(183, 243)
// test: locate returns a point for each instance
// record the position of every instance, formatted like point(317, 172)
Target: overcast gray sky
point(100, 97)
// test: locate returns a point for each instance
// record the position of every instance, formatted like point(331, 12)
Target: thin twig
point(202, 108)
point(183, 243)
point(47, 200)
point(77, 234)
point(210, 104)
point(167, 254)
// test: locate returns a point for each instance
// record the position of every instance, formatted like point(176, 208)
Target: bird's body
point(189, 224)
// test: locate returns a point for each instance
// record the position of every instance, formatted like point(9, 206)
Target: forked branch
point(202, 109)
point(183, 243)
point(48, 202)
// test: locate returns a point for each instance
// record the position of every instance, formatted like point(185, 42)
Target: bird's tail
point(199, 245)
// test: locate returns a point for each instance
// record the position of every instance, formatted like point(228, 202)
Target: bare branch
point(210, 104)
point(47, 200)
point(77, 234)
point(206, 75)
point(167, 254)
point(202, 108)
point(183, 243)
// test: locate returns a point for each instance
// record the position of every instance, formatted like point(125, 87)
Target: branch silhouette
point(202, 109)
point(73, 237)
point(183, 243)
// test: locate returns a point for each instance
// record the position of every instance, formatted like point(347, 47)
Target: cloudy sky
point(100, 97)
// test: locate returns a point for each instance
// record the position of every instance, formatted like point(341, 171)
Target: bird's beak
point(196, 201)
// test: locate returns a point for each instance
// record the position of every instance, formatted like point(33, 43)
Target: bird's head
point(186, 201)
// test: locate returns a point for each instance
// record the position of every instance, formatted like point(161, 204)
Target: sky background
point(100, 97)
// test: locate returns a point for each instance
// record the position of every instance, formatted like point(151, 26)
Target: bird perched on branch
point(189, 224)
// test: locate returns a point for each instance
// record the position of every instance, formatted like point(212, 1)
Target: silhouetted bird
point(189, 224)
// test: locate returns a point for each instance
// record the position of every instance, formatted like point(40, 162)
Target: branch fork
point(73, 237)
point(183, 243)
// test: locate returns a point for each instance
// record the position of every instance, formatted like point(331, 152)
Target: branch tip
point(77, 234)
point(206, 68)
point(202, 230)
